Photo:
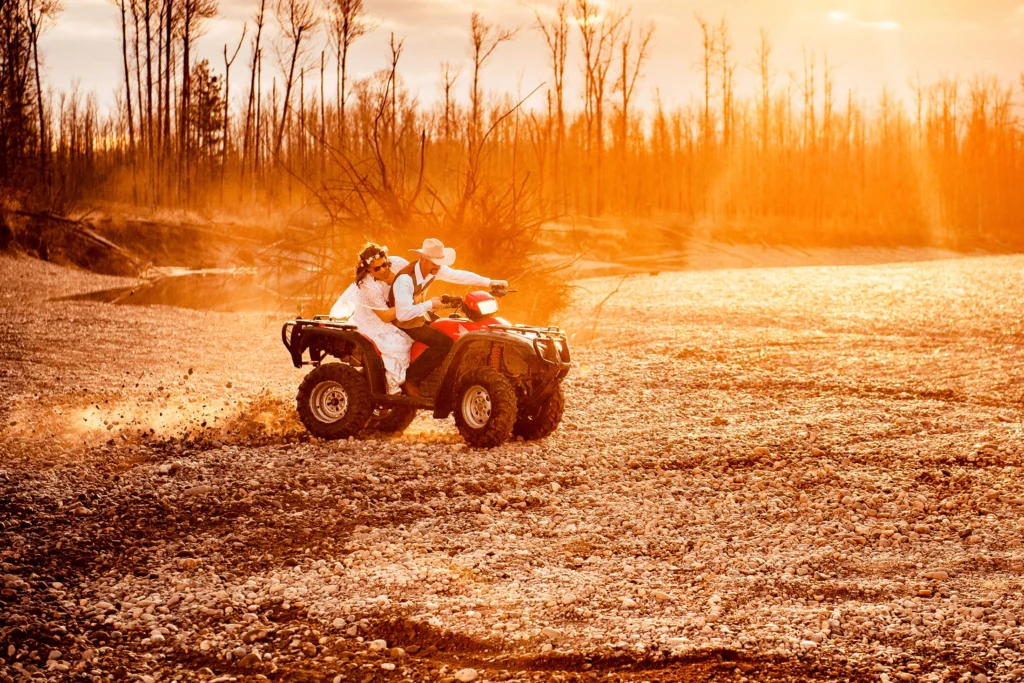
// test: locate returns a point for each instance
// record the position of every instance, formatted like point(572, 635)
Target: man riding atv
point(500, 380)
point(409, 298)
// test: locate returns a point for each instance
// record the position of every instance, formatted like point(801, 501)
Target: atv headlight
point(487, 307)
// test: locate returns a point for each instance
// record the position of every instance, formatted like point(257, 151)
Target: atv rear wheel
point(543, 419)
point(334, 401)
point(391, 419)
point(485, 408)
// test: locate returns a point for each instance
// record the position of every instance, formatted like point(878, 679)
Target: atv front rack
point(550, 343)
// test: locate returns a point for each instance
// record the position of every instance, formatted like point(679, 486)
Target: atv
point(500, 380)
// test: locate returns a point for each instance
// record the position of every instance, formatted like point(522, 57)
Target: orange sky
point(871, 42)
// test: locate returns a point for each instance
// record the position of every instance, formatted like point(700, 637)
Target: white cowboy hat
point(435, 250)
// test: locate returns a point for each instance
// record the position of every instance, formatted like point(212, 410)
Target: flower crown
point(383, 251)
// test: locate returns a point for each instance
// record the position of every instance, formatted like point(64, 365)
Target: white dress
point(358, 304)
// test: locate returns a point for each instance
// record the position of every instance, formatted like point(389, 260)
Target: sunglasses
point(383, 266)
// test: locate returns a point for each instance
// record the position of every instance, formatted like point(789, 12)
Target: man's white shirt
point(403, 287)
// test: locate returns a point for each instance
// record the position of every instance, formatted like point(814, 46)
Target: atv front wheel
point(334, 401)
point(391, 420)
point(485, 408)
point(543, 419)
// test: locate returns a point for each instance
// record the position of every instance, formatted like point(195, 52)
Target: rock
point(466, 675)
point(156, 638)
point(168, 468)
point(662, 596)
point(808, 644)
point(378, 645)
point(551, 633)
point(54, 655)
point(937, 575)
point(387, 666)
point(629, 603)
point(309, 649)
point(762, 450)
point(250, 660)
point(567, 599)
point(200, 490)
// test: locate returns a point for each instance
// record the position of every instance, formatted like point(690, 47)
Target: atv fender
point(449, 370)
point(337, 341)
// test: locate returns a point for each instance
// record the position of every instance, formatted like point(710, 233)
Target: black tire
point(391, 420)
point(544, 419)
point(321, 391)
point(485, 418)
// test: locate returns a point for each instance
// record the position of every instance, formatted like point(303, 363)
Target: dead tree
point(706, 65)
point(193, 13)
point(227, 105)
point(599, 34)
point(297, 18)
point(726, 69)
point(762, 67)
point(348, 24)
point(253, 103)
point(484, 40)
point(122, 5)
point(449, 76)
point(41, 14)
point(634, 51)
point(556, 36)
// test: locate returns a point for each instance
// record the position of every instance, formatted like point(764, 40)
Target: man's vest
point(418, 296)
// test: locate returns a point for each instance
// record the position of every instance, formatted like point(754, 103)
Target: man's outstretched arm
point(465, 277)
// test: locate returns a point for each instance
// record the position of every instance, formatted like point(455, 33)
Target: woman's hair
point(370, 253)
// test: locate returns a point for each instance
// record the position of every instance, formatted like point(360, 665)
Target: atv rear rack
point(292, 331)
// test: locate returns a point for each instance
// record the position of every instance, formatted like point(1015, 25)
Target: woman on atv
point(365, 304)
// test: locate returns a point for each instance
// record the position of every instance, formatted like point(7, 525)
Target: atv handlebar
point(457, 302)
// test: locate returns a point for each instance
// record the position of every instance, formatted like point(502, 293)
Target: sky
point(871, 43)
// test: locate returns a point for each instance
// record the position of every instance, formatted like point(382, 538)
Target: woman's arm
point(385, 314)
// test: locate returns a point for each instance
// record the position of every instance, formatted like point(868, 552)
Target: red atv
point(500, 380)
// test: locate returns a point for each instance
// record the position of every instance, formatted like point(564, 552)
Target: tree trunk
point(287, 92)
point(128, 92)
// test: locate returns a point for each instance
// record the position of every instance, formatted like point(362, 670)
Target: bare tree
point(726, 69)
point(762, 67)
point(298, 19)
point(449, 76)
point(484, 38)
point(706, 65)
point(634, 51)
point(348, 24)
point(122, 5)
point(253, 103)
point(41, 14)
point(599, 30)
point(556, 34)
point(147, 15)
point(227, 104)
point(193, 13)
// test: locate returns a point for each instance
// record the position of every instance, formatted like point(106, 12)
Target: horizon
point(871, 44)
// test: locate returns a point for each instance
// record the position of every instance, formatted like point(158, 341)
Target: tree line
point(792, 161)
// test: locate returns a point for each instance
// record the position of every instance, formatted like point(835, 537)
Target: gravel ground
point(787, 474)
